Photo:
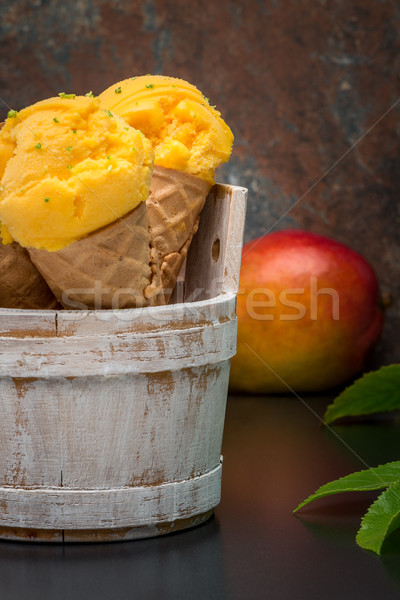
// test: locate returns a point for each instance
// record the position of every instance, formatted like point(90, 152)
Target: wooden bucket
point(111, 421)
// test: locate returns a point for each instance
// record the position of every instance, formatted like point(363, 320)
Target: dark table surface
point(275, 454)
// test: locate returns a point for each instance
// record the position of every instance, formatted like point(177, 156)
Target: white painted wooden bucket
point(112, 421)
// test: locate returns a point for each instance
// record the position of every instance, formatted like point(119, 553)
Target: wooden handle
point(213, 262)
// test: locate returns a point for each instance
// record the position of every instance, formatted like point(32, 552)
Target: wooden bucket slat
point(213, 262)
point(27, 323)
point(126, 430)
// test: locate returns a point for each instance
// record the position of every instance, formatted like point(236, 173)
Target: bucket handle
point(213, 262)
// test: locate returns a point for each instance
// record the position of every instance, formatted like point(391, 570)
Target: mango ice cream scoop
point(21, 284)
point(187, 134)
point(190, 140)
point(74, 180)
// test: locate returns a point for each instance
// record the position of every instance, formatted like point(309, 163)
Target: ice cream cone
point(190, 140)
point(21, 284)
point(174, 205)
point(110, 268)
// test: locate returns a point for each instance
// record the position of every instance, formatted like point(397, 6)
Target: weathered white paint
point(111, 508)
point(112, 421)
point(103, 432)
point(119, 353)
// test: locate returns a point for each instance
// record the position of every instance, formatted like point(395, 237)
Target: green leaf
point(375, 478)
point(382, 517)
point(375, 392)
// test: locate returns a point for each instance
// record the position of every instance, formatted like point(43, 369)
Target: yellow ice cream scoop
point(187, 133)
point(67, 168)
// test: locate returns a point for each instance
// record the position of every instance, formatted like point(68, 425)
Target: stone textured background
point(300, 82)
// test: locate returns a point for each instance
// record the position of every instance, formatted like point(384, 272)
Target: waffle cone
point(21, 284)
point(174, 205)
point(110, 268)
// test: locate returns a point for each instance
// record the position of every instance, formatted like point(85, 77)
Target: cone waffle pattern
point(108, 269)
point(174, 204)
